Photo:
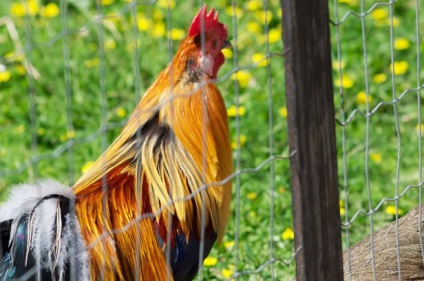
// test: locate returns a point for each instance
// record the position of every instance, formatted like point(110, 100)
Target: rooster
point(154, 203)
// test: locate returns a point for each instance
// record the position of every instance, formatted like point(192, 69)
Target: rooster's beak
point(227, 45)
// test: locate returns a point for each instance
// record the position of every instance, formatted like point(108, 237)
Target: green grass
point(102, 89)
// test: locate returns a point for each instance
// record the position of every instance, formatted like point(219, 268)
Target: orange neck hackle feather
point(161, 177)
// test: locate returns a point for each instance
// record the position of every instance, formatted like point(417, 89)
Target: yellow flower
point(376, 157)
point(254, 27)
point(419, 128)
point(210, 261)
point(91, 63)
point(401, 44)
point(157, 15)
point(177, 34)
point(283, 111)
point(391, 210)
point(379, 14)
point(166, 3)
point(341, 203)
point(4, 76)
point(20, 69)
point(231, 12)
point(17, 10)
point(396, 22)
point(274, 35)
point(336, 64)
point(346, 82)
point(143, 23)
point(242, 141)
point(252, 195)
point(110, 44)
point(379, 78)
point(264, 17)
point(70, 135)
point(107, 2)
point(86, 166)
point(228, 272)
point(51, 10)
point(233, 111)
point(243, 77)
point(260, 59)
point(254, 5)
point(229, 244)
point(33, 7)
point(349, 2)
point(288, 234)
point(121, 112)
point(342, 211)
point(400, 67)
point(228, 53)
point(362, 98)
point(159, 29)
point(15, 56)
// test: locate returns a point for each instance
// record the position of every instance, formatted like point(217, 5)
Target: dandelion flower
point(242, 141)
point(254, 27)
point(362, 98)
point(391, 210)
point(228, 272)
point(159, 29)
point(17, 10)
point(376, 157)
point(4, 76)
point(177, 34)
point(252, 195)
point(210, 261)
point(233, 111)
point(379, 78)
point(86, 166)
point(283, 111)
point(106, 2)
point(121, 112)
point(110, 44)
point(379, 14)
point(264, 17)
point(229, 244)
point(288, 234)
point(234, 12)
point(342, 211)
point(400, 67)
point(254, 5)
point(346, 82)
point(143, 23)
point(259, 59)
point(351, 3)
point(401, 44)
point(51, 10)
point(165, 4)
point(243, 77)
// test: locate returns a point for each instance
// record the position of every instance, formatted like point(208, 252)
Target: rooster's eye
point(214, 44)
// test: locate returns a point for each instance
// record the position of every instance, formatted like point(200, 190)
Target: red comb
point(207, 22)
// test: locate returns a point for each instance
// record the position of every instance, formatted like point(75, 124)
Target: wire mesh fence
point(377, 49)
point(72, 72)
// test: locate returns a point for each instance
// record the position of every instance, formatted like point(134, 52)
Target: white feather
point(43, 230)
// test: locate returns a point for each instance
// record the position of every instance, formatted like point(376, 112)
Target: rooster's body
point(156, 199)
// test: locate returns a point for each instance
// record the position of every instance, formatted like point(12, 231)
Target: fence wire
point(380, 130)
point(72, 71)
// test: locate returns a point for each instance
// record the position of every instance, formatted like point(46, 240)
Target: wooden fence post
point(313, 167)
